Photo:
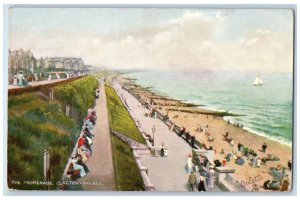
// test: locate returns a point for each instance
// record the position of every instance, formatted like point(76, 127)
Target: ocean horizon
point(265, 110)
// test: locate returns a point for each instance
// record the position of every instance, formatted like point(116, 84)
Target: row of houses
point(21, 59)
point(67, 63)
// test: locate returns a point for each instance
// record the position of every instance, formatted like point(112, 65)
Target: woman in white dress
point(189, 164)
point(15, 81)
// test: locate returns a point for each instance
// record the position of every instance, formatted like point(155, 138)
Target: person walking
point(162, 150)
point(239, 146)
point(290, 165)
point(20, 79)
point(15, 80)
point(192, 181)
point(264, 147)
point(201, 185)
point(258, 162)
point(254, 160)
point(211, 175)
point(189, 164)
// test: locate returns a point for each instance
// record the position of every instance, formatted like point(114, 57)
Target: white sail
point(258, 81)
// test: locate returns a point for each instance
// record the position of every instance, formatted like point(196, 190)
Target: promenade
point(166, 173)
point(36, 83)
point(101, 176)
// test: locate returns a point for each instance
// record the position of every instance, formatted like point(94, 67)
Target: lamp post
point(153, 131)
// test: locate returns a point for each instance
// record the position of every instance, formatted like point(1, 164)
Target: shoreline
point(217, 126)
point(205, 108)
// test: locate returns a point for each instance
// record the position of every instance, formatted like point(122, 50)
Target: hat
point(73, 156)
point(278, 167)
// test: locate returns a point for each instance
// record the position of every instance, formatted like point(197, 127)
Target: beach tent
point(240, 161)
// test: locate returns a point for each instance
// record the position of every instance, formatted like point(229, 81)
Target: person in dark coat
point(264, 147)
point(162, 150)
point(239, 146)
point(201, 185)
point(290, 165)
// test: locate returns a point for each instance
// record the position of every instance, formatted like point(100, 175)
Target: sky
point(255, 40)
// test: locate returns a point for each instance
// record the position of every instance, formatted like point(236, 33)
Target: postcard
point(150, 99)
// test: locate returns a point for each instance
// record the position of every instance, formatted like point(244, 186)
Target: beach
point(191, 117)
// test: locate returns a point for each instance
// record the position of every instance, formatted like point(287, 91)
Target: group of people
point(19, 79)
point(280, 180)
point(84, 147)
point(206, 174)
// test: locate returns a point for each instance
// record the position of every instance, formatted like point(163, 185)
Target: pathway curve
point(101, 175)
point(166, 173)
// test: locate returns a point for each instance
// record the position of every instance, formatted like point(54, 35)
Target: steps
point(144, 152)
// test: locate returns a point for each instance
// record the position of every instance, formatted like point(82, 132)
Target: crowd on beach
point(200, 164)
point(84, 146)
point(240, 156)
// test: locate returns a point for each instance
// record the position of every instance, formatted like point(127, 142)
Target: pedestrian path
point(36, 83)
point(100, 164)
point(166, 173)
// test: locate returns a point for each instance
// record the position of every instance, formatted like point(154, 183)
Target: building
point(20, 59)
point(66, 63)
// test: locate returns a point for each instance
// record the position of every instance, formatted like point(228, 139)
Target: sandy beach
point(192, 117)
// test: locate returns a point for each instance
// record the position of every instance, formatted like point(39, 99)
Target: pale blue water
point(268, 109)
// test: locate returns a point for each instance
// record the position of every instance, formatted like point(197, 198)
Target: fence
point(17, 91)
point(135, 146)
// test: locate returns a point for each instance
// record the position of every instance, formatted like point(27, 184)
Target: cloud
point(262, 50)
point(183, 43)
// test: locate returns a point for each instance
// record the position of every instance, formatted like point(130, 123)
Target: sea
point(265, 110)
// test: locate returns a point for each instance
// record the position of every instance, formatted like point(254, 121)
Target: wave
point(260, 129)
point(281, 140)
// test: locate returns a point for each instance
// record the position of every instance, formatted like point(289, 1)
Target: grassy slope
point(121, 120)
point(35, 124)
point(128, 177)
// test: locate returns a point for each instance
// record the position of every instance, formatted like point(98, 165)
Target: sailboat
point(258, 81)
